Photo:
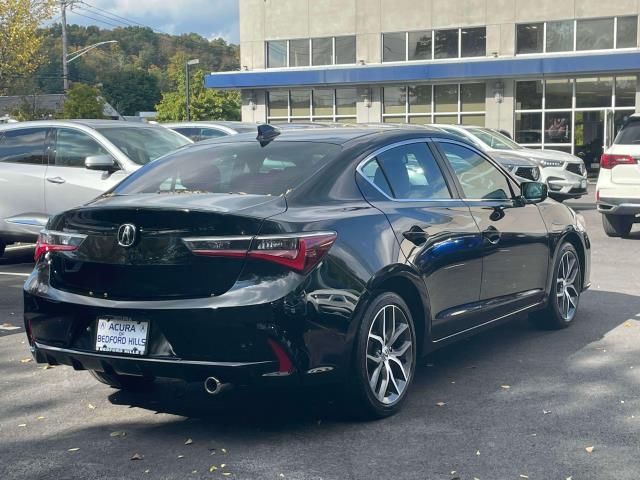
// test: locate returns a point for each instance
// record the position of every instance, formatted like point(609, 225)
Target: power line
point(103, 16)
point(96, 19)
point(128, 20)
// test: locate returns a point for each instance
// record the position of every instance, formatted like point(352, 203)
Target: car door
point(515, 239)
point(68, 183)
point(436, 231)
point(22, 171)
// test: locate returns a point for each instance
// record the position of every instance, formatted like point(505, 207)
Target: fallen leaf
point(73, 449)
point(441, 404)
point(26, 360)
point(589, 449)
point(534, 434)
point(213, 468)
point(22, 425)
point(40, 418)
point(569, 478)
point(118, 434)
point(194, 471)
point(188, 442)
point(523, 476)
point(223, 465)
point(506, 387)
point(223, 450)
point(226, 474)
point(91, 407)
point(137, 456)
point(47, 367)
point(147, 471)
point(453, 472)
point(478, 453)
point(180, 456)
point(453, 383)
point(546, 412)
point(281, 475)
point(621, 401)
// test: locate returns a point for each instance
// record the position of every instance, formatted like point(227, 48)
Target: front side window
point(594, 34)
point(479, 179)
point(412, 173)
point(446, 44)
point(394, 47)
point(144, 144)
point(474, 42)
point(530, 38)
point(277, 54)
point(24, 145)
point(73, 147)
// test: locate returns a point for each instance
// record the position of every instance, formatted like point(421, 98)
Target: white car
point(564, 174)
point(618, 188)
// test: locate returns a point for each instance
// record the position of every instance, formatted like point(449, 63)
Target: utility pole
point(195, 61)
point(65, 65)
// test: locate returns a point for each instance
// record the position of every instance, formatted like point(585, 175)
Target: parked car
point(239, 261)
point(50, 166)
point(618, 188)
point(205, 130)
point(564, 174)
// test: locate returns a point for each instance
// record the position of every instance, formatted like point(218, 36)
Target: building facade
point(559, 75)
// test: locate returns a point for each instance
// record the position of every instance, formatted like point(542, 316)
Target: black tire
point(617, 225)
point(124, 382)
point(555, 316)
point(365, 404)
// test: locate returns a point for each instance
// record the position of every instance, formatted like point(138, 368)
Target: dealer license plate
point(122, 335)
point(583, 184)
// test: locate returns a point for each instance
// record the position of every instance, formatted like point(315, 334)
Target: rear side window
point(207, 133)
point(25, 145)
point(245, 168)
point(629, 135)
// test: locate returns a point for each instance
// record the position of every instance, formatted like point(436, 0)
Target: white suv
point(618, 189)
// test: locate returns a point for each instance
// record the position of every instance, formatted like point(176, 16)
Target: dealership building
point(559, 75)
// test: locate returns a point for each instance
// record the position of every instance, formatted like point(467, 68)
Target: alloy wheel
point(567, 293)
point(389, 354)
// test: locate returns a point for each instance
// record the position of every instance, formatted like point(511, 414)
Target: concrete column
point(500, 104)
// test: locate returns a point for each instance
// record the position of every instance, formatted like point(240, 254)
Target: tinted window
point(345, 50)
point(446, 45)
point(394, 47)
point(477, 176)
point(322, 51)
point(374, 174)
point(412, 172)
point(529, 38)
point(627, 32)
point(299, 53)
point(207, 133)
point(232, 168)
point(594, 34)
point(144, 144)
point(277, 54)
point(192, 133)
point(420, 45)
point(25, 145)
point(73, 147)
point(474, 42)
point(560, 36)
point(629, 135)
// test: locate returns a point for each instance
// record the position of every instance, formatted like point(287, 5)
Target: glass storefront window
point(530, 38)
point(300, 103)
point(626, 91)
point(277, 54)
point(420, 45)
point(557, 127)
point(528, 128)
point(394, 47)
point(322, 102)
point(589, 137)
point(472, 120)
point(394, 99)
point(594, 92)
point(394, 120)
point(446, 119)
point(420, 120)
point(346, 50)
point(529, 95)
point(559, 93)
point(299, 53)
point(560, 36)
point(594, 34)
point(472, 97)
point(627, 36)
point(446, 44)
point(278, 102)
point(446, 98)
point(322, 51)
point(474, 42)
point(420, 99)
point(346, 101)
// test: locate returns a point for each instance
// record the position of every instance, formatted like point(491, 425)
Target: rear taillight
point(299, 252)
point(51, 241)
point(608, 160)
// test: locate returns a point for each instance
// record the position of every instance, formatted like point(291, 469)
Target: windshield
point(245, 168)
point(143, 145)
point(494, 139)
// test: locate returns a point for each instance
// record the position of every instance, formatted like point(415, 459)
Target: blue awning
point(464, 69)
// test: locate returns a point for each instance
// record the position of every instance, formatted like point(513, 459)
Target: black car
point(308, 256)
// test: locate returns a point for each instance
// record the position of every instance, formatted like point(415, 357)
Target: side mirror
point(533, 192)
point(100, 162)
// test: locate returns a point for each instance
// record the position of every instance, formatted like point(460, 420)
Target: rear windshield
point(630, 134)
point(145, 144)
point(245, 168)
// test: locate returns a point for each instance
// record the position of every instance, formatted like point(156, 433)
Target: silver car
point(564, 174)
point(204, 130)
point(47, 167)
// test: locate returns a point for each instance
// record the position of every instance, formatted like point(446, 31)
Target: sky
point(209, 18)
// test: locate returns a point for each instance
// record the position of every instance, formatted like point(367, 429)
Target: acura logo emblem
point(126, 235)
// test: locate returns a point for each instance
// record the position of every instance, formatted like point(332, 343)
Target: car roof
point(68, 123)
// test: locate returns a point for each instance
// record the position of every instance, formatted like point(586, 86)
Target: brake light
point(299, 252)
point(285, 366)
point(608, 160)
point(52, 241)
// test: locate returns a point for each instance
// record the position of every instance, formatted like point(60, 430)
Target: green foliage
point(83, 101)
point(205, 103)
point(131, 90)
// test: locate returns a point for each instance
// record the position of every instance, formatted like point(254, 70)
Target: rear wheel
point(565, 292)
point(124, 382)
point(617, 225)
point(385, 357)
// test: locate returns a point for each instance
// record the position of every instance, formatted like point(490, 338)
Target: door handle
point(416, 235)
point(492, 234)
point(56, 180)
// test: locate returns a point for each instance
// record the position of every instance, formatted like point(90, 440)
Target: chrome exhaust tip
point(213, 386)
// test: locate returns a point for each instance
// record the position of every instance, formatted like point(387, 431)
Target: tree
point(83, 101)
point(20, 40)
point(131, 90)
point(205, 103)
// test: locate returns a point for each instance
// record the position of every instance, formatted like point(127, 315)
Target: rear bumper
point(619, 206)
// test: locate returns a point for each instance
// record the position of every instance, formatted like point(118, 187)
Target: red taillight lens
point(51, 241)
point(285, 366)
point(609, 160)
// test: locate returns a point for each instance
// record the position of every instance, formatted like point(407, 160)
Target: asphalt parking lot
point(512, 403)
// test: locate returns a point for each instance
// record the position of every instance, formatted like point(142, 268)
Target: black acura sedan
point(308, 256)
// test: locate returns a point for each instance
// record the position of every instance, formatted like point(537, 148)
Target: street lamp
point(194, 61)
